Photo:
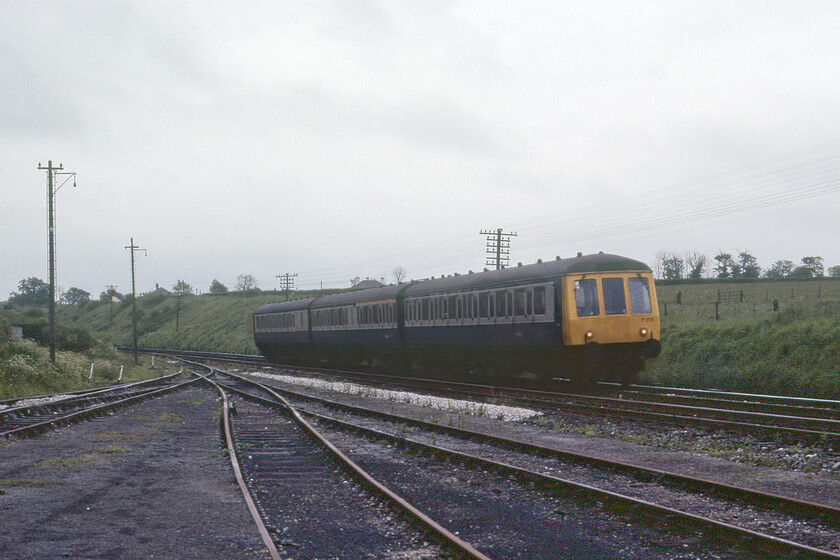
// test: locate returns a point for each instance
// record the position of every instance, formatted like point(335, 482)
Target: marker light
point(589, 334)
point(643, 331)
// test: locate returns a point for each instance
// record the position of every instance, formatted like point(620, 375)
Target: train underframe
point(538, 366)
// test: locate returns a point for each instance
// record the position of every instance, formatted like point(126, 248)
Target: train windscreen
point(586, 297)
point(614, 301)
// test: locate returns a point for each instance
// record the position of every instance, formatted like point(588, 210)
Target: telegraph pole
point(498, 247)
point(52, 175)
point(287, 282)
point(111, 291)
point(134, 247)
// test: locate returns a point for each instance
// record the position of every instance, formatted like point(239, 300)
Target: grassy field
point(779, 337)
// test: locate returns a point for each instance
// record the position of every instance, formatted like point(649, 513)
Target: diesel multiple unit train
point(588, 318)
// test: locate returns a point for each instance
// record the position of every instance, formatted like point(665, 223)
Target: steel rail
point(680, 414)
point(83, 393)
point(40, 427)
point(463, 548)
point(237, 471)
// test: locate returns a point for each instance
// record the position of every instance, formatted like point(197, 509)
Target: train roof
point(356, 296)
point(538, 272)
point(600, 262)
point(294, 305)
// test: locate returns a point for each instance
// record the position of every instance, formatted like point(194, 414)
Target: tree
point(748, 265)
point(217, 287)
point(182, 288)
point(669, 266)
point(399, 274)
point(726, 266)
point(834, 271)
point(75, 296)
point(815, 265)
point(779, 269)
point(696, 265)
point(31, 291)
point(672, 267)
point(801, 272)
point(245, 282)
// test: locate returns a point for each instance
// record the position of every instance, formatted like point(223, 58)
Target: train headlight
point(643, 331)
point(589, 335)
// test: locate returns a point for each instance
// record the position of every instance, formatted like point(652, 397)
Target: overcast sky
point(342, 139)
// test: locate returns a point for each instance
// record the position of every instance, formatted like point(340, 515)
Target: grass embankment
point(213, 323)
point(26, 370)
point(750, 347)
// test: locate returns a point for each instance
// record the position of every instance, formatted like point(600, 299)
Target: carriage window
point(483, 310)
point(539, 300)
point(586, 297)
point(639, 295)
point(519, 302)
point(501, 307)
point(614, 300)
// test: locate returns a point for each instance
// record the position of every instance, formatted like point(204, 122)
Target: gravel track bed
point(609, 440)
point(314, 509)
point(149, 481)
point(631, 442)
point(754, 518)
point(509, 519)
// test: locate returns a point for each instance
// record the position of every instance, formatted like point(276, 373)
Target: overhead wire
point(802, 176)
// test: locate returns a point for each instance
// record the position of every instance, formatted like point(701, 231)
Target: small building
point(367, 283)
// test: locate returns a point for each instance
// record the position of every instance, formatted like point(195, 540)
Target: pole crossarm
point(287, 282)
point(498, 247)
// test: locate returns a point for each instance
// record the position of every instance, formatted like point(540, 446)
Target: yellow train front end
point(611, 319)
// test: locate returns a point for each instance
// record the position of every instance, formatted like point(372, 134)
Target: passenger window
point(501, 308)
point(639, 295)
point(519, 302)
point(483, 310)
point(539, 300)
point(586, 297)
point(614, 301)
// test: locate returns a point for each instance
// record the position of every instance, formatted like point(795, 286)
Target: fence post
point(717, 311)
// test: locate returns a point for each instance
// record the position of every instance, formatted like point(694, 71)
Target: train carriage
point(588, 318)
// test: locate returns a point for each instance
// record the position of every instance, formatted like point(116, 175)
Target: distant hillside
point(219, 323)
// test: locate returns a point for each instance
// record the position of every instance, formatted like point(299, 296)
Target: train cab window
point(614, 301)
point(639, 295)
point(586, 297)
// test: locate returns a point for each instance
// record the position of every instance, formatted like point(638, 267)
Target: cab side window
point(639, 295)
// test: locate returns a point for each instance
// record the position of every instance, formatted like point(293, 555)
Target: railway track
point(791, 418)
point(774, 524)
point(31, 416)
point(311, 499)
